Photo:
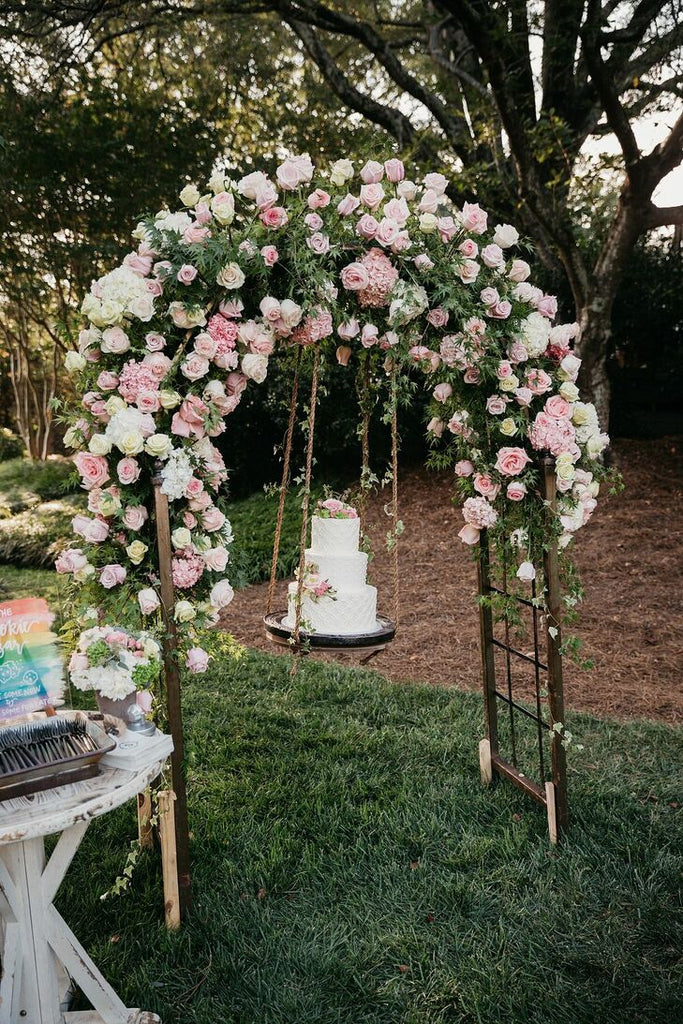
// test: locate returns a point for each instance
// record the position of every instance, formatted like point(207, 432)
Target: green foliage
point(349, 868)
point(11, 445)
point(24, 482)
point(35, 536)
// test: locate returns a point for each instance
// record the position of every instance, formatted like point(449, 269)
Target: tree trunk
point(595, 321)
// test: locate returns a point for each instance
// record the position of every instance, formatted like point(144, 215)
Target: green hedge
point(24, 483)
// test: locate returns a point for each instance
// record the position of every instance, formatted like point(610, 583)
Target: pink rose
point(394, 170)
point(570, 366)
point(401, 242)
point(138, 264)
point(501, 310)
point(489, 296)
point(158, 363)
point(235, 383)
point(350, 328)
point(148, 601)
point(115, 341)
point(187, 273)
point(275, 217)
point(148, 401)
point(387, 231)
point(212, 519)
point(135, 517)
point(518, 352)
point(203, 213)
point(397, 209)
point(93, 469)
point(504, 370)
point(524, 396)
point(436, 182)
point(538, 381)
point(469, 534)
point(547, 306)
point(194, 487)
point(194, 366)
point(318, 199)
point(519, 271)
point(354, 277)
point(557, 407)
point(270, 255)
point(472, 375)
point(464, 468)
point(469, 249)
point(473, 218)
point(447, 228)
point(371, 172)
point(347, 205)
point(437, 317)
point(511, 461)
point(367, 226)
point(368, 336)
point(435, 426)
point(154, 342)
point(95, 531)
point(423, 262)
point(71, 560)
point(313, 221)
point(144, 700)
point(128, 470)
point(107, 381)
point(486, 487)
point(516, 490)
point(112, 575)
point(216, 559)
point(442, 392)
point(221, 594)
point(318, 243)
point(492, 255)
point(495, 405)
point(205, 345)
point(468, 271)
point(195, 234)
point(188, 421)
point(197, 660)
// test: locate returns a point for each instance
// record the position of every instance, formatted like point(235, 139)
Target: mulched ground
point(630, 557)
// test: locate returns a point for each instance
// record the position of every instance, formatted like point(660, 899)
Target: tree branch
point(661, 216)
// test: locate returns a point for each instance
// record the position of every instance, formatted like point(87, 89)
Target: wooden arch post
point(551, 792)
point(173, 698)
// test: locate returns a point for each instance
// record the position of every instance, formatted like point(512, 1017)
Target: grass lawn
point(350, 869)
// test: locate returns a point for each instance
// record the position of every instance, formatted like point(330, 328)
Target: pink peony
point(511, 461)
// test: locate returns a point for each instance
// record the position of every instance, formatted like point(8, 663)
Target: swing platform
point(365, 644)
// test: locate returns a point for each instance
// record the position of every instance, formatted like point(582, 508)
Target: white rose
point(170, 399)
point(505, 236)
point(569, 391)
point(255, 367)
point(136, 551)
point(341, 172)
point(190, 195)
point(569, 367)
point(184, 611)
point(181, 538)
point(221, 595)
point(231, 276)
point(510, 383)
point(526, 572)
point(99, 444)
point(290, 312)
point(74, 362)
point(131, 442)
point(223, 207)
point(217, 182)
point(564, 466)
point(508, 427)
point(406, 189)
point(159, 446)
point(142, 307)
point(428, 222)
point(185, 317)
point(115, 404)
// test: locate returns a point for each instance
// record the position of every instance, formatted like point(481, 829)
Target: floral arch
point(353, 261)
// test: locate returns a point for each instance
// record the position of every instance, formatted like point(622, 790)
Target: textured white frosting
point(352, 612)
point(341, 571)
point(334, 536)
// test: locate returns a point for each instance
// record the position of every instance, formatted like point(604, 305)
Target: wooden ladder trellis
point(546, 622)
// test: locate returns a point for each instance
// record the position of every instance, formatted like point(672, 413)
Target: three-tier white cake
point(347, 606)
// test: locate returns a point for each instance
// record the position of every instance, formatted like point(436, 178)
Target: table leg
point(37, 941)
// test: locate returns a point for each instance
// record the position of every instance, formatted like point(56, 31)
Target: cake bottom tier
point(350, 613)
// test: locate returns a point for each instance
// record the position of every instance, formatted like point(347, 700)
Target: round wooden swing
point(365, 645)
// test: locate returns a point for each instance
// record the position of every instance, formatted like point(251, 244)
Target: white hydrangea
point(534, 334)
point(167, 221)
point(118, 295)
point(408, 301)
point(176, 474)
point(128, 423)
point(112, 681)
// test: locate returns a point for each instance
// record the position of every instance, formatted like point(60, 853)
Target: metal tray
point(24, 781)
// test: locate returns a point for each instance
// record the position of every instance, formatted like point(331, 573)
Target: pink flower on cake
point(112, 575)
point(511, 461)
point(93, 469)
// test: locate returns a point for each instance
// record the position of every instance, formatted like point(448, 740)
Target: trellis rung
point(519, 654)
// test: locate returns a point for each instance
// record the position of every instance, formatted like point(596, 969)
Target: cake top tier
point(332, 508)
point(334, 536)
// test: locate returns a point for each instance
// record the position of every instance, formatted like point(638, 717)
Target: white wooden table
point(40, 953)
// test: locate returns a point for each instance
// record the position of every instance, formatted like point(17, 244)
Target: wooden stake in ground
point(169, 862)
point(173, 701)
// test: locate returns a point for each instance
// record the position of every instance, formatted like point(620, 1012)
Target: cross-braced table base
point(39, 947)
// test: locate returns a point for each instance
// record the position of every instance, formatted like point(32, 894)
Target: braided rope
point(394, 482)
point(307, 496)
point(284, 485)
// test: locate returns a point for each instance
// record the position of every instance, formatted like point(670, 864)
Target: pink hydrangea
point(187, 567)
point(478, 512)
point(314, 328)
point(223, 331)
point(553, 434)
point(382, 276)
point(135, 378)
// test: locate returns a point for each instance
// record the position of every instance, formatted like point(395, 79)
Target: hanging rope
point(394, 482)
point(365, 402)
point(307, 496)
point(284, 485)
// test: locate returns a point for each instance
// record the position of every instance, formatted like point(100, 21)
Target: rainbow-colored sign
point(31, 672)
